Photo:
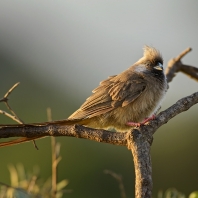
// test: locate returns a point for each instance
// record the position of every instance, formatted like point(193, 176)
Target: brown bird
point(123, 101)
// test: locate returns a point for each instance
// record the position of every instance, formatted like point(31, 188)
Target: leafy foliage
point(28, 185)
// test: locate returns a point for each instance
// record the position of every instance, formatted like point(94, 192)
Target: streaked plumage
point(132, 95)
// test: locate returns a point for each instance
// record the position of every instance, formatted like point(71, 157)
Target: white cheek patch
point(140, 69)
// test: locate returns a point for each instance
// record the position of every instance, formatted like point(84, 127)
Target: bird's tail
point(14, 127)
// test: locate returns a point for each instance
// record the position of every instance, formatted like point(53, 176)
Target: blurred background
point(60, 50)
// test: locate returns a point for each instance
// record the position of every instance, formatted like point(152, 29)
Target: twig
point(34, 143)
point(14, 115)
point(119, 180)
point(174, 65)
point(5, 98)
point(19, 141)
point(182, 54)
point(191, 71)
point(54, 164)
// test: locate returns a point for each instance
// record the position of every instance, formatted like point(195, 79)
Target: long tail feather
point(25, 139)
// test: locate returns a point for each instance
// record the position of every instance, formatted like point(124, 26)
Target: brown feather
point(129, 96)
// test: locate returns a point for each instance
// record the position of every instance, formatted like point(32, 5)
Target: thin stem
point(119, 180)
point(54, 158)
point(14, 115)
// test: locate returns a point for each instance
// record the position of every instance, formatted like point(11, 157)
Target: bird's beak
point(159, 67)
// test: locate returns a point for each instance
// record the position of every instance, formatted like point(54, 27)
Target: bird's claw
point(133, 124)
point(138, 124)
point(148, 119)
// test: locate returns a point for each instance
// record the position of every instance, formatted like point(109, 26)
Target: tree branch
point(13, 115)
point(99, 135)
point(175, 65)
point(190, 71)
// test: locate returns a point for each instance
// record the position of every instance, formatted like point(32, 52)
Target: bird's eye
point(159, 66)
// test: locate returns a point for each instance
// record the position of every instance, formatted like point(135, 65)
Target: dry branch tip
point(11, 89)
point(182, 54)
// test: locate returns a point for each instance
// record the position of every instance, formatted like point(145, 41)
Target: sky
point(79, 43)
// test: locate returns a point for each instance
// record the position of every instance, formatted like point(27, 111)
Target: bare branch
point(180, 56)
point(99, 135)
point(175, 65)
point(17, 119)
point(54, 158)
point(78, 131)
point(14, 115)
point(190, 71)
point(119, 180)
point(5, 98)
point(19, 141)
point(180, 106)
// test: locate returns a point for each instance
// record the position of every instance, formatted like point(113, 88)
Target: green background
point(60, 51)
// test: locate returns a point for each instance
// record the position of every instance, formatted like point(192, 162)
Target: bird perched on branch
point(126, 100)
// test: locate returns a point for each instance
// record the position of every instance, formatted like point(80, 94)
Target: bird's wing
point(116, 91)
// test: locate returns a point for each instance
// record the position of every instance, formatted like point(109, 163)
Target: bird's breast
point(144, 106)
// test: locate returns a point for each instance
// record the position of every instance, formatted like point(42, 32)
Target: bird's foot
point(138, 124)
point(148, 119)
point(133, 124)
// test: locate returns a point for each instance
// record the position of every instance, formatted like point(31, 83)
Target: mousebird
point(122, 101)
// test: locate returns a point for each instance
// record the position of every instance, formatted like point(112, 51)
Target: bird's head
point(152, 59)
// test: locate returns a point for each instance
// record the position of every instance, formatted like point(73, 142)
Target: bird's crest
point(152, 54)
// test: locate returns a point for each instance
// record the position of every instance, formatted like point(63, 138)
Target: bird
point(124, 101)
